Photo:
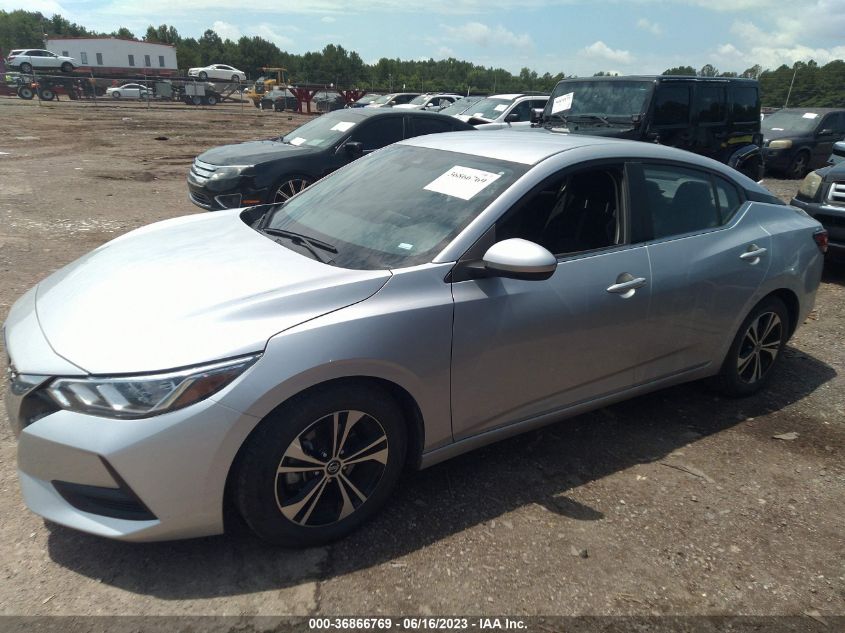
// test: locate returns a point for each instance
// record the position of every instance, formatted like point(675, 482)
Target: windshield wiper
point(591, 117)
point(560, 117)
point(307, 242)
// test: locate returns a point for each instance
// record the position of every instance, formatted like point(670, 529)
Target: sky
point(576, 37)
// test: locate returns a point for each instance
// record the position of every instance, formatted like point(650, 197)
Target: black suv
point(713, 116)
point(799, 139)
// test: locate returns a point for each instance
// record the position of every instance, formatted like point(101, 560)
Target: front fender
point(748, 160)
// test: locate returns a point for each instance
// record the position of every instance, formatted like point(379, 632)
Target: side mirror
point(519, 259)
point(513, 117)
point(825, 132)
point(536, 115)
point(354, 148)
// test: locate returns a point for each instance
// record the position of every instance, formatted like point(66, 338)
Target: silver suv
point(500, 111)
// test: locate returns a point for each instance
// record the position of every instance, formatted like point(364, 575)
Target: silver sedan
point(432, 297)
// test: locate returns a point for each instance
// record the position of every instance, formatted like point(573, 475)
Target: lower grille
point(200, 199)
point(836, 195)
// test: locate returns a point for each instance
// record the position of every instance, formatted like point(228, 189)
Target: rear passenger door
point(421, 125)
point(706, 260)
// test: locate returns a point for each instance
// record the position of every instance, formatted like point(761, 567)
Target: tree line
point(811, 85)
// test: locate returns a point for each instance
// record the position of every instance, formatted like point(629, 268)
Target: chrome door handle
point(754, 253)
point(624, 287)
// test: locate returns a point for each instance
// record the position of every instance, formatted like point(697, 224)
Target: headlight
point(781, 144)
point(227, 172)
point(148, 395)
point(810, 186)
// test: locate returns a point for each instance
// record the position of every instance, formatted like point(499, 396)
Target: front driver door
point(521, 348)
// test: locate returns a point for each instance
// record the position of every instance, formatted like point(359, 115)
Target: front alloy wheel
point(289, 188)
point(321, 464)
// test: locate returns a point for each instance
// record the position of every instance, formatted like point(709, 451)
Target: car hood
point(253, 153)
point(771, 135)
point(187, 291)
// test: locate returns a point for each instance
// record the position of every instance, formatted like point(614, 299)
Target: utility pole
point(789, 92)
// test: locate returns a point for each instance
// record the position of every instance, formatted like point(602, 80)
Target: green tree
point(680, 70)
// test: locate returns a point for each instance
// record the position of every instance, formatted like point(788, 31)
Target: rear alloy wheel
point(115, 95)
point(322, 465)
point(26, 68)
point(289, 188)
point(756, 349)
point(798, 166)
point(203, 76)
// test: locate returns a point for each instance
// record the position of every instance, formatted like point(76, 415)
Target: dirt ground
point(678, 502)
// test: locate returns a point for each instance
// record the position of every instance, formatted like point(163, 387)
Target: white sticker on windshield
point(811, 115)
point(777, 129)
point(297, 141)
point(501, 107)
point(563, 102)
point(342, 126)
point(478, 114)
point(462, 182)
point(405, 246)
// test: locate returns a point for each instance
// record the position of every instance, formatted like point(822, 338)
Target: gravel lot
point(678, 502)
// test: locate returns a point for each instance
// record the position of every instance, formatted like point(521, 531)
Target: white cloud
point(652, 27)
point(226, 31)
point(600, 50)
point(484, 35)
point(268, 33)
point(46, 7)
point(444, 52)
point(327, 19)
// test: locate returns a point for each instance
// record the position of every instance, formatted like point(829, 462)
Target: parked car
point(218, 72)
point(461, 105)
point(715, 117)
point(367, 99)
point(500, 111)
point(25, 59)
point(278, 100)
point(441, 294)
point(129, 91)
point(430, 101)
point(395, 98)
point(822, 196)
point(274, 170)
point(329, 101)
point(799, 139)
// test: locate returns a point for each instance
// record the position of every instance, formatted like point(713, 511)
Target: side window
point(729, 198)
point(376, 134)
point(131, 60)
point(671, 106)
point(430, 125)
point(745, 104)
point(574, 213)
point(83, 58)
point(679, 201)
point(710, 103)
point(99, 59)
point(523, 110)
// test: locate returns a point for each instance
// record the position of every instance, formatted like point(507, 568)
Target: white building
point(111, 55)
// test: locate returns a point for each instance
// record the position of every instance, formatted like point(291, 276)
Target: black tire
point(211, 100)
point(798, 166)
point(115, 95)
point(196, 100)
point(46, 94)
point(236, 79)
point(26, 68)
point(203, 75)
point(749, 366)
point(67, 67)
point(321, 500)
point(287, 187)
point(26, 92)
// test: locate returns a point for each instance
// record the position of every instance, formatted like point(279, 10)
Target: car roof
point(661, 78)
point(368, 113)
point(809, 109)
point(532, 146)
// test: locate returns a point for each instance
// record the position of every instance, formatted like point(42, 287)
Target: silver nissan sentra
point(434, 296)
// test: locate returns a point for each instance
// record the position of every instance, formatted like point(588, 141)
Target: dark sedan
point(822, 195)
point(796, 140)
point(274, 170)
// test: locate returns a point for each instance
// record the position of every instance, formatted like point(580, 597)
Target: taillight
point(822, 239)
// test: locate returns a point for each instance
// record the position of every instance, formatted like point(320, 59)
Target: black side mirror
point(513, 117)
point(825, 132)
point(354, 148)
point(536, 115)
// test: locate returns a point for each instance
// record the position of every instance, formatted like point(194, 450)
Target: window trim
point(645, 224)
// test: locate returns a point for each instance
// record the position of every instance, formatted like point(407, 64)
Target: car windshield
point(397, 207)
point(490, 108)
point(791, 121)
point(382, 99)
point(419, 100)
point(460, 105)
point(368, 98)
point(607, 99)
point(323, 131)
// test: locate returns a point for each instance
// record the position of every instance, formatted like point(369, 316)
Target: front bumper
point(832, 218)
point(778, 159)
point(225, 195)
